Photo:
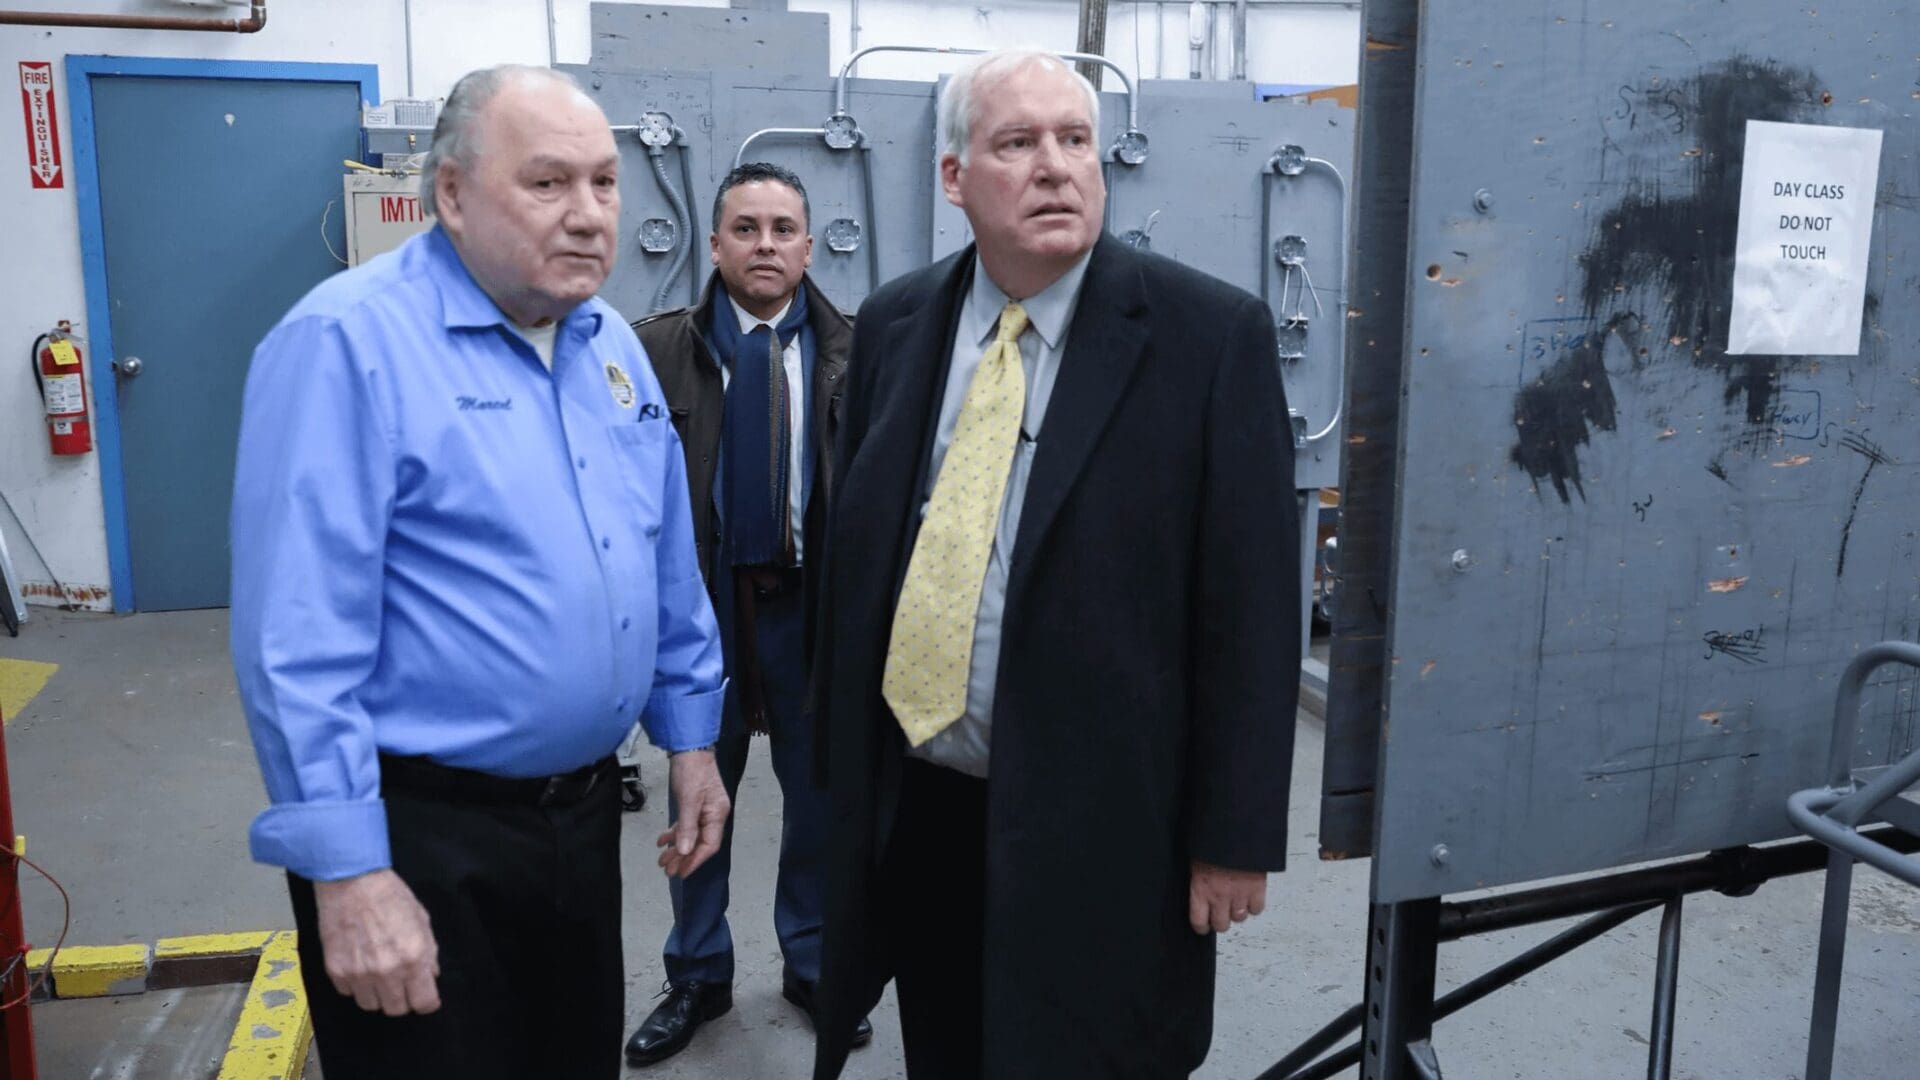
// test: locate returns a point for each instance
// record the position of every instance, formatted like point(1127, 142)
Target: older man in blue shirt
point(463, 563)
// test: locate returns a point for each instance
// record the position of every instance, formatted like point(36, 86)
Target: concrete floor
point(134, 781)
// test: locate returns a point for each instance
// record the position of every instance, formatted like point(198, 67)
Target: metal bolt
point(1289, 160)
point(1440, 854)
point(1461, 560)
point(1483, 200)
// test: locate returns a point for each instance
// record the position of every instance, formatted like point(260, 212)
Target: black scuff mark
point(1866, 448)
point(1553, 414)
point(1681, 245)
point(1719, 470)
point(1673, 243)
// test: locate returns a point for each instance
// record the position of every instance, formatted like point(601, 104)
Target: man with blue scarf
point(752, 375)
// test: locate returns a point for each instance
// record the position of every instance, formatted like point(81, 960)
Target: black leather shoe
point(670, 1027)
point(800, 992)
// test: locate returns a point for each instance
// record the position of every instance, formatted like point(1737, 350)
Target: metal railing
point(1833, 815)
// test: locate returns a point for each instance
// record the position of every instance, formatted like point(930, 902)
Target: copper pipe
point(249, 25)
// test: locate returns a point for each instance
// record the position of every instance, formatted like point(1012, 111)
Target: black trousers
point(933, 892)
point(524, 897)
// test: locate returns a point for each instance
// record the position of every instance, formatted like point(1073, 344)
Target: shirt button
point(580, 461)
point(606, 543)
point(621, 705)
point(624, 623)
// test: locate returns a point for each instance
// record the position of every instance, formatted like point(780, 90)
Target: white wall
point(58, 500)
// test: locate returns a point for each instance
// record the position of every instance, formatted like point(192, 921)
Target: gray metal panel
point(656, 37)
point(1200, 89)
point(1669, 553)
point(718, 112)
point(1201, 190)
point(1198, 198)
point(1204, 217)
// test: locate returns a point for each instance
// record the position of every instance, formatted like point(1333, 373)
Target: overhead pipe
point(1196, 35)
point(1239, 72)
point(252, 24)
point(740, 155)
point(1093, 38)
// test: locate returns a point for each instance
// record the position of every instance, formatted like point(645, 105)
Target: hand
point(378, 943)
point(1220, 897)
point(701, 805)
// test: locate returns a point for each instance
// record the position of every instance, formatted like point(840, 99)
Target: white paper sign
point(1806, 219)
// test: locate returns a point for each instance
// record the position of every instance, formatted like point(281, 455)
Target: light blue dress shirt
point(442, 548)
point(966, 745)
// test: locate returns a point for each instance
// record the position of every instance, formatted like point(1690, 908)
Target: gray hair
point(455, 134)
point(957, 99)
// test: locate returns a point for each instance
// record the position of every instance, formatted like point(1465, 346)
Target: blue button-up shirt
point(441, 548)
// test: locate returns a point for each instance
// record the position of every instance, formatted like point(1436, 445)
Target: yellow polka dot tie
point(931, 649)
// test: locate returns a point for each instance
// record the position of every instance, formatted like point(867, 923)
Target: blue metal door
point(212, 192)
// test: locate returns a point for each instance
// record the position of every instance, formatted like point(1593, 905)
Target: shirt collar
point(464, 305)
point(748, 320)
point(1048, 311)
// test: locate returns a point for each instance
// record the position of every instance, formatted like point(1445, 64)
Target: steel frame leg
point(1665, 993)
point(1833, 954)
point(1403, 945)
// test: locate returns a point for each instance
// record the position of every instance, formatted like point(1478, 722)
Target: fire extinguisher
point(56, 368)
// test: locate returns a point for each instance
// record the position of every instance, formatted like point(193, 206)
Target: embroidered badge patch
point(620, 386)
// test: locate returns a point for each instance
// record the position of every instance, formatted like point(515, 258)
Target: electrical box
point(399, 131)
point(383, 210)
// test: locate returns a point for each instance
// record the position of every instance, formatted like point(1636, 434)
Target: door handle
point(130, 368)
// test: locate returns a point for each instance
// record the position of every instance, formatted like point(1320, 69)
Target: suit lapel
point(1107, 337)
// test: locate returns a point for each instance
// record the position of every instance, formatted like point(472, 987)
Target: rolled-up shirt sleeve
point(312, 499)
point(689, 679)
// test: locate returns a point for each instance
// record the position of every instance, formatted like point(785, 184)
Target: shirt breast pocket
point(639, 451)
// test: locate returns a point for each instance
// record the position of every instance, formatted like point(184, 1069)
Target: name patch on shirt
point(474, 404)
point(620, 386)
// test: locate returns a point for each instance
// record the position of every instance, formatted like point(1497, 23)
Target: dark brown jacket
point(677, 343)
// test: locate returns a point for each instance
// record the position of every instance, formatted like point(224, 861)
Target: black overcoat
point(1149, 662)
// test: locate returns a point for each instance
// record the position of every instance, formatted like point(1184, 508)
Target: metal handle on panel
point(1291, 161)
point(129, 368)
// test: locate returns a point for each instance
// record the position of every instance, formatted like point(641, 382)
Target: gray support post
point(1403, 944)
point(1665, 992)
point(1833, 955)
point(1093, 37)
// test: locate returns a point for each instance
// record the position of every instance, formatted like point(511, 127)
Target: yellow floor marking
point(20, 682)
point(211, 945)
point(95, 970)
point(271, 1038)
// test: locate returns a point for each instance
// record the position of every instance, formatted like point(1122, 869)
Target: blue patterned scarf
point(757, 437)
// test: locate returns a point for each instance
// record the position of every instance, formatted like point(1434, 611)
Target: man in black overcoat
point(1059, 650)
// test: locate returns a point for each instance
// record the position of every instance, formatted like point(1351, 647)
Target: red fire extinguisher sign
point(43, 123)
